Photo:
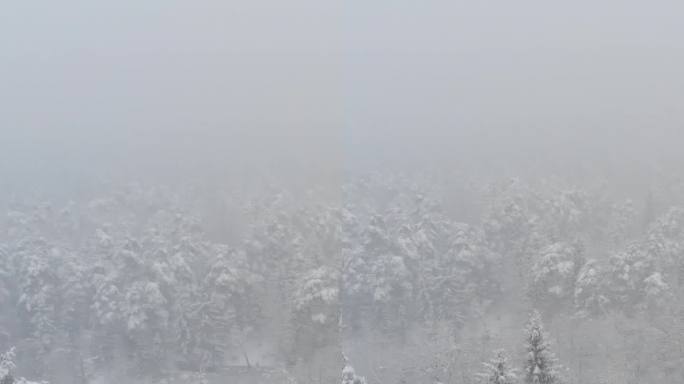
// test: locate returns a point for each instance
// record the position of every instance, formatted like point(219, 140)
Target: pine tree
point(541, 365)
point(349, 376)
point(6, 367)
point(498, 370)
point(554, 275)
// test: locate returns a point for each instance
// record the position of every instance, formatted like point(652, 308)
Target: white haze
point(244, 100)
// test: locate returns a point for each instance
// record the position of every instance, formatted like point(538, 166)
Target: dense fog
point(315, 192)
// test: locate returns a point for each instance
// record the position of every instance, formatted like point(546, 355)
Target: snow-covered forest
point(341, 192)
point(404, 278)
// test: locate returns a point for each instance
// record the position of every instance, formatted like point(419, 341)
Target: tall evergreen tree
point(498, 370)
point(541, 365)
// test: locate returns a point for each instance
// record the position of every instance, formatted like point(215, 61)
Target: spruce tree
point(541, 365)
point(498, 370)
point(349, 376)
point(6, 367)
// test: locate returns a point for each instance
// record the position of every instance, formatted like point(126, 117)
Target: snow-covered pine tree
point(7, 367)
point(498, 370)
point(590, 296)
point(316, 312)
point(349, 376)
point(554, 276)
point(541, 365)
point(635, 282)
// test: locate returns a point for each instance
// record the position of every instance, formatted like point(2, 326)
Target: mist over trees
point(147, 282)
point(326, 192)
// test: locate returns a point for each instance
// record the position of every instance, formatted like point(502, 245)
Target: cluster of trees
point(591, 263)
point(145, 281)
point(131, 284)
point(540, 363)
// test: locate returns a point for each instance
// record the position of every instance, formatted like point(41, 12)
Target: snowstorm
point(341, 192)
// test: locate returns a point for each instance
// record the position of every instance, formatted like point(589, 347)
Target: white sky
point(357, 77)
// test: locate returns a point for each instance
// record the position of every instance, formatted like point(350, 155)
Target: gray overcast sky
point(126, 28)
point(351, 78)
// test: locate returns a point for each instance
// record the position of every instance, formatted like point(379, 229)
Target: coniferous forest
point(341, 192)
point(392, 279)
